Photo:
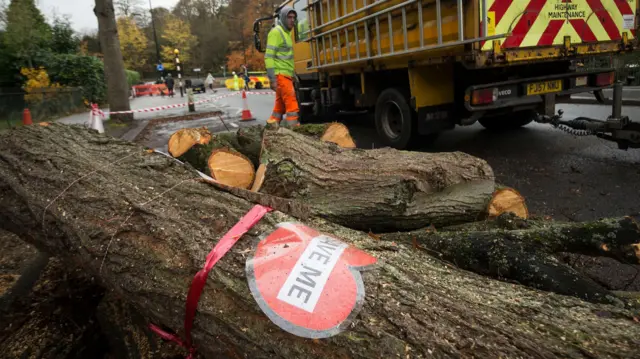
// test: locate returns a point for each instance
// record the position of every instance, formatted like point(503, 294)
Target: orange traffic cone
point(26, 117)
point(246, 113)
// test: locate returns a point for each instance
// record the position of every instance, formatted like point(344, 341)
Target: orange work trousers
point(286, 102)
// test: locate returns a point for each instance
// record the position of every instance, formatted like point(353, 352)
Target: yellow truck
point(426, 66)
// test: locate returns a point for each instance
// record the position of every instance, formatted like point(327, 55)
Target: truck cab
point(427, 66)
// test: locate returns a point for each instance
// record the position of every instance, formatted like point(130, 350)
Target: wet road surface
point(564, 176)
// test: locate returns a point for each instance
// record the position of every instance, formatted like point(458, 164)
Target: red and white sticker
point(307, 283)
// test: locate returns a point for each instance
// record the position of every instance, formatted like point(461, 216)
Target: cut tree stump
point(182, 140)
point(338, 134)
point(143, 224)
point(198, 155)
point(231, 168)
point(507, 200)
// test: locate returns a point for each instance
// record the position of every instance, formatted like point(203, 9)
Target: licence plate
point(581, 81)
point(538, 88)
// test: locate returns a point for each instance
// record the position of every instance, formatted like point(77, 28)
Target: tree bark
point(143, 224)
point(114, 71)
point(379, 190)
point(526, 255)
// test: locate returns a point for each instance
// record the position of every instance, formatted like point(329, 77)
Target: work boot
point(272, 124)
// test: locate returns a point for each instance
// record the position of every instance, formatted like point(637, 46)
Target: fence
point(43, 105)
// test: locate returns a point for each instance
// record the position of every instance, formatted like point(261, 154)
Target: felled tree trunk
point(380, 190)
point(143, 224)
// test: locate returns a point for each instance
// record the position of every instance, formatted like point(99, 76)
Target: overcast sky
point(81, 11)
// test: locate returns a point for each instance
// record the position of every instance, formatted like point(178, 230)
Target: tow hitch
point(616, 128)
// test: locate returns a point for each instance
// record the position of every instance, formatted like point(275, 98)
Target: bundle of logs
point(463, 271)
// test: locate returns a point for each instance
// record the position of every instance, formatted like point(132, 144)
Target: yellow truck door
point(545, 23)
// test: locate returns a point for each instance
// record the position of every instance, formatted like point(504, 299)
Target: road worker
point(236, 82)
point(279, 64)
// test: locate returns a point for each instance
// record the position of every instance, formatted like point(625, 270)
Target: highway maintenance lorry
point(425, 66)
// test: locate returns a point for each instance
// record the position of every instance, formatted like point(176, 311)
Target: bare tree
point(117, 88)
point(128, 7)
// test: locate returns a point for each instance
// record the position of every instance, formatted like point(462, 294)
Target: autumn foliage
point(133, 43)
point(255, 60)
point(37, 83)
point(177, 34)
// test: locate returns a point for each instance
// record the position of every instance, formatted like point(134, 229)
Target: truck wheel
point(508, 122)
point(258, 85)
point(394, 119)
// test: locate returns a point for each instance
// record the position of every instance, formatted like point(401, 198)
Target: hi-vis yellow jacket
point(279, 54)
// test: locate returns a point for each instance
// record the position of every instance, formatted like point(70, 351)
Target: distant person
point(209, 81)
point(236, 82)
point(170, 84)
point(245, 77)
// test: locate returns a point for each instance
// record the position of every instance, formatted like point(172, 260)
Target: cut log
point(231, 168)
point(158, 222)
point(198, 154)
point(508, 200)
point(181, 141)
point(338, 134)
point(380, 190)
point(257, 183)
point(248, 141)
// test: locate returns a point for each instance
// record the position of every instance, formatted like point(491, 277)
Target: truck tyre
point(508, 122)
point(258, 85)
point(395, 119)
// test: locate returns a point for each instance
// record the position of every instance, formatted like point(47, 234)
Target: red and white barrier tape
point(97, 111)
point(261, 93)
point(166, 107)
